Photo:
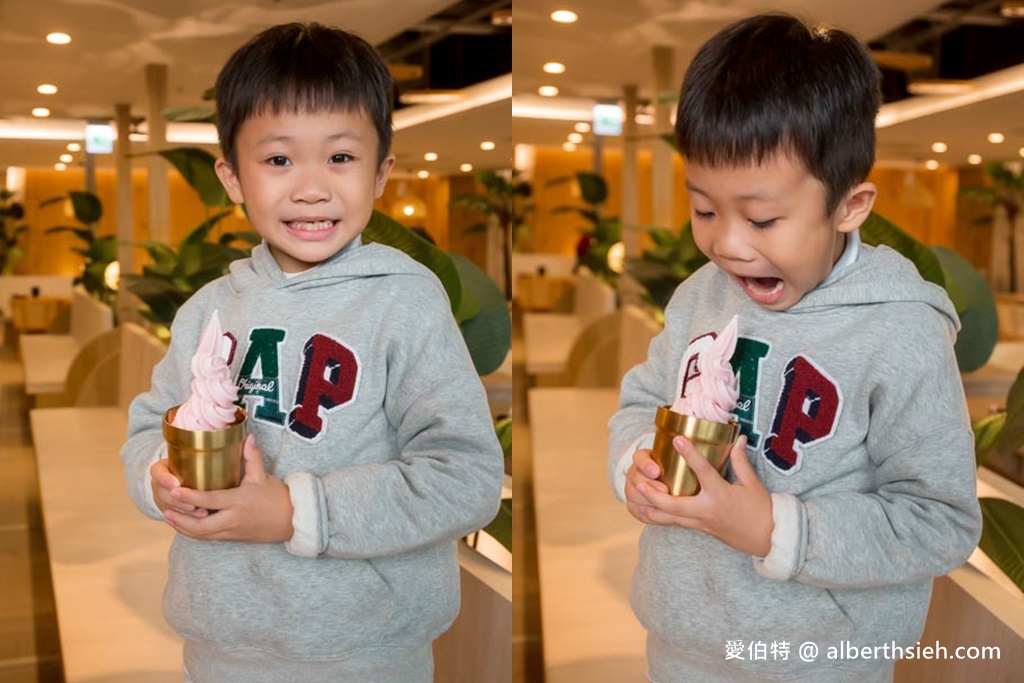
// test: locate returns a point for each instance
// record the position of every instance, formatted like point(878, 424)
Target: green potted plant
point(98, 252)
point(596, 241)
point(11, 229)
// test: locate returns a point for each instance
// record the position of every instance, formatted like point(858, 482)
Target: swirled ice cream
point(712, 394)
point(212, 403)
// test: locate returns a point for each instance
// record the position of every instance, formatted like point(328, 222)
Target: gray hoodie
point(857, 425)
point(363, 398)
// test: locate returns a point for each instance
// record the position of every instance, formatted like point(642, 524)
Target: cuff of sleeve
point(307, 539)
point(625, 461)
point(147, 489)
point(783, 560)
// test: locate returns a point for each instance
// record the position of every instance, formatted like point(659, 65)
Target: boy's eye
point(341, 158)
point(763, 224)
point(703, 215)
point(279, 160)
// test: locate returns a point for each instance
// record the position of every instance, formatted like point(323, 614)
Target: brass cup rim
point(204, 440)
point(695, 428)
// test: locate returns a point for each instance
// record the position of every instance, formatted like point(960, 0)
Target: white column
point(630, 186)
point(662, 182)
point(125, 205)
point(159, 200)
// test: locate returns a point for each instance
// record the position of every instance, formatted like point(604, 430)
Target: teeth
point(311, 226)
point(759, 286)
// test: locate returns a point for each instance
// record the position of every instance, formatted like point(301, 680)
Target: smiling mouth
point(311, 226)
point(763, 290)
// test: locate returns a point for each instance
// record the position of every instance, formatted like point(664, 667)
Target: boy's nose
point(731, 244)
point(311, 187)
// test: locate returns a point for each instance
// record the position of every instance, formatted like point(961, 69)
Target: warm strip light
point(1012, 9)
point(46, 89)
point(478, 95)
point(554, 68)
point(938, 86)
point(939, 147)
point(58, 38)
point(564, 16)
point(430, 96)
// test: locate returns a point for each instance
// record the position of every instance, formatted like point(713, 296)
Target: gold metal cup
point(205, 460)
point(713, 440)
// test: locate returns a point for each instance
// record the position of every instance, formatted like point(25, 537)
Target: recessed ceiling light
point(58, 38)
point(46, 89)
point(66, 158)
point(1021, 151)
point(575, 138)
point(931, 164)
point(430, 156)
point(423, 174)
point(996, 138)
point(547, 90)
point(41, 112)
point(554, 68)
point(466, 168)
point(939, 147)
point(61, 166)
point(564, 16)
point(74, 147)
point(569, 146)
point(974, 159)
point(487, 145)
point(582, 127)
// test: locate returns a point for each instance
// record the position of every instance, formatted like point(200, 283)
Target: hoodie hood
point(884, 277)
point(357, 260)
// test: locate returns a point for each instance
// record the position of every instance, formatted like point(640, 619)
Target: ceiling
point(113, 40)
point(611, 46)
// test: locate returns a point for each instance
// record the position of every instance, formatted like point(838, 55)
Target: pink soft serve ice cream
point(712, 394)
point(212, 403)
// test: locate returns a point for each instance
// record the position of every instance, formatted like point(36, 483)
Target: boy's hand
point(738, 514)
point(643, 471)
point(258, 511)
point(164, 484)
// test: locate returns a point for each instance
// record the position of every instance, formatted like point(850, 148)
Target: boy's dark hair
point(303, 68)
point(770, 83)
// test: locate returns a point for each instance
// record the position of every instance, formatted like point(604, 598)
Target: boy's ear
point(856, 206)
point(383, 171)
point(229, 179)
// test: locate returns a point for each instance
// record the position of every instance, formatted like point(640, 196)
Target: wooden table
point(586, 542)
point(108, 561)
point(548, 338)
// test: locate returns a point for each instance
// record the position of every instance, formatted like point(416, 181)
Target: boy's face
point(308, 181)
point(765, 226)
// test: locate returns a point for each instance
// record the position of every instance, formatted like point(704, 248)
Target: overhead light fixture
point(495, 90)
point(569, 146)
point(582, 127)
point(547, 91)
point(423, 175)
point(576, 138)
point(553, 68)
point(1012, 9)
point(996, 138)
point(74, 147)
point(939, 86)
point(60, 166)
point(430, 96)
point(564, 16)
point(46, 89)
point(466, 168)
point(430, 156)
point(939, 147)
point(40, 112)
point(501, 17)
point(931, 164)
point(974, 159)
point(66, 158)
point(1021, 151)
point(487, 145)
point(58, 38)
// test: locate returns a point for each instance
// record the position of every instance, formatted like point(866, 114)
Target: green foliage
point(503, 429)
point(196, 166)
point(673, 258)
point(979, 322)
point(1002, 537)
point(602, 233)
point(501, 526)
point(1004, 190)
point(11, 229)
point(97, 252)
point(488, 330)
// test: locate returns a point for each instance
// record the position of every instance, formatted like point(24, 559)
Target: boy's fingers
point(255, 471)
point(643, 462)
point(741, 466)
point(705, 473)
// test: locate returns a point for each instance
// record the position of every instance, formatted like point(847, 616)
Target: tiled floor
point(527, 661)
point(29, 645)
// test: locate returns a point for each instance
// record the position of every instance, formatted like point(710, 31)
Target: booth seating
point(109, 562)
point(549, 337)
point(638, 329)
point(47, 358)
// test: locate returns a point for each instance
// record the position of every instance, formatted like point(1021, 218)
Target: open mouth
point(319, 225)
point(763, 290)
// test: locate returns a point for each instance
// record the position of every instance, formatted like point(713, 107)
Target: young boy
point(371, 446)
point(853, 483)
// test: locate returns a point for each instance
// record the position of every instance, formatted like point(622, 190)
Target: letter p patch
point(330, 374)
point(806, 414)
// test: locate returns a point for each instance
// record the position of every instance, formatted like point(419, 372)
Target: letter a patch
point(806, 414)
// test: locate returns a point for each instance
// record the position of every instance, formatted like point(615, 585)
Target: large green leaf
point(1002, 536)
point(1012, 436)
point(593, 187)
point(979, 323)
point(877, 230)
point(501, 526)
point(87, 206)
point(488, 334)
point(196, 166)
point(386, 230)
point(986, 432)
point(199, 233)
point(160, 295)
